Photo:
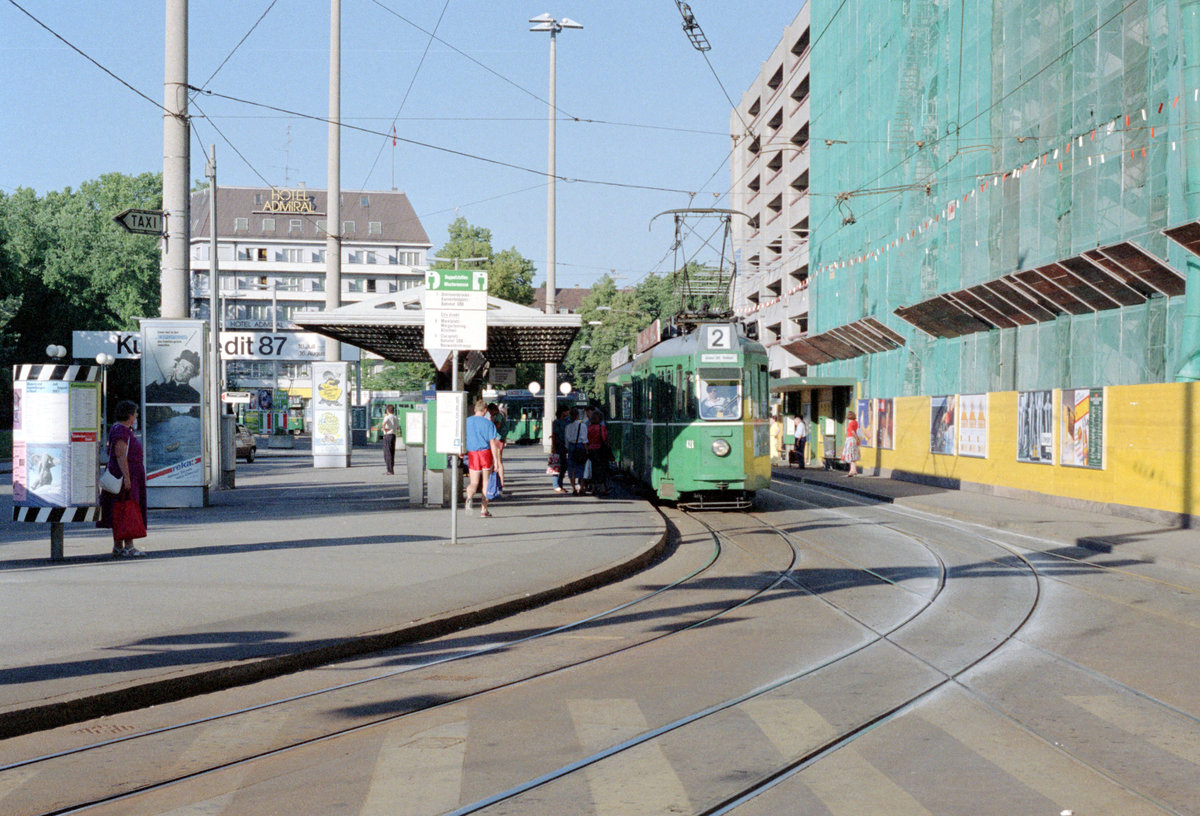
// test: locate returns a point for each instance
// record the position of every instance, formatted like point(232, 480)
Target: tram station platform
point(1038, 516)
point(293, 568)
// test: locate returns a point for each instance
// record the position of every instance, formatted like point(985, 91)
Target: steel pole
point(550, 399)
point(333, 226)
point(454, 460)
point(214, 306)
point(173, 279)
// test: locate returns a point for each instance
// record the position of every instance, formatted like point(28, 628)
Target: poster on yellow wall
point(972, 425)
point(885, 421)
point(866, 423)
point(1035, 427)
point(1083, 427)
point(941, 424)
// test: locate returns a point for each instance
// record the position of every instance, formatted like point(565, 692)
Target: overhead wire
point(245, 37)
point(81, 53)
point(440, 148)
point(404, 99)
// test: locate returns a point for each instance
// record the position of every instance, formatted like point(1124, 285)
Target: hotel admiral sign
point(297, 202)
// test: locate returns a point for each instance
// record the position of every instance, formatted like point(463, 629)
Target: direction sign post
point(141, 222)
point(455, 320)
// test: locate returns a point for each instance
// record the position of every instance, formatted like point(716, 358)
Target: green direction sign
point(456, 280)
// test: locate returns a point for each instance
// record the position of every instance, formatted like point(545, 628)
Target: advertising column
point(331, 415)
point(173, 377)
point(56, 430)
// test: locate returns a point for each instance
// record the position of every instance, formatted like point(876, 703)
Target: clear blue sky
point(661, 115)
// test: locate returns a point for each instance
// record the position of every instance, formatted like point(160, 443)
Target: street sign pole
point(454, 462)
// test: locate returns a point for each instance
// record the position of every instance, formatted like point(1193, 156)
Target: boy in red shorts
point(483, 445)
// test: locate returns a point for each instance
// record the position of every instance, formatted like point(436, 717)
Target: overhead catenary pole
point(545, 22)
point(214, 309)
point(174, 273)
point(333, 241)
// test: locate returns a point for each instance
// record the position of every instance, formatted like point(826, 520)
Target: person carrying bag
point(124, 512)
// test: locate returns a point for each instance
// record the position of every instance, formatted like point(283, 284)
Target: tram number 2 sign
point(718, 337)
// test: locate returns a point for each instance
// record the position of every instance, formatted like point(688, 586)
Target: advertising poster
point(941, 424)
point(174, 434)
point(866, 422)
point(972, 425)
point(885, 420)
point(172, 381)
point(56, 429)
point(1035, 427)
point(331, 409)
point(1083, 427)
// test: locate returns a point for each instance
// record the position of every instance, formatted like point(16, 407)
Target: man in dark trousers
point(388, 429)
point(558, 445)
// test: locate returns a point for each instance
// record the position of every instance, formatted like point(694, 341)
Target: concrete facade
point(769, 181)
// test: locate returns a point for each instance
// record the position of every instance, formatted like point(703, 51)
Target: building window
point(290, 255)
point(321, 227)
point(375, 228)
point(347, 228)
point(241, 224)
point(295, 225)
point(365, 201)
point(370, 257)
point(268, 225)
point(260, 254)
point(258, 199)
point(371, 285)
point(318, 256)
point(354, 285)
point(355, 257)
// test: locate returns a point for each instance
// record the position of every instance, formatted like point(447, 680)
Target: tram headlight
point(721, 447)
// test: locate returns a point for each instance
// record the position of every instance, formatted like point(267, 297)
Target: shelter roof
point(393, 326)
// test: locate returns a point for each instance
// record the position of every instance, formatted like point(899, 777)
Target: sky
point(639, 107)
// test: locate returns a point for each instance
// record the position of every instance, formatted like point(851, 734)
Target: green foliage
point(69, 267)
point(399, 377)
point(510, 274)
point(65, 266)
point(619, 315)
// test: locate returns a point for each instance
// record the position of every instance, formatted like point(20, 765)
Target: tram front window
point(720, 394)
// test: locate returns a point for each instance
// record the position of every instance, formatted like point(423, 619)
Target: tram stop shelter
point(393, 327)
point(824, 401)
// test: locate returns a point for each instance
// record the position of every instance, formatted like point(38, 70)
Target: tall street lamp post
point(544, 22)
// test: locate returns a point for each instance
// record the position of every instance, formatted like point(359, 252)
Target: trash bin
point(829, 451)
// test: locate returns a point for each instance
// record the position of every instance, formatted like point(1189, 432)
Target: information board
point(451, 422)
point(331, 409)
point(56, 434)
point(173, 377)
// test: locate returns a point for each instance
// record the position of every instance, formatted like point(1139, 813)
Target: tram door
point(661, 403)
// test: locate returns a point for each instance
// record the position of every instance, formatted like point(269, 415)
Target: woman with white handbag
point(124, 510)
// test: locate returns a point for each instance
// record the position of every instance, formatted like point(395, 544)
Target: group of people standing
point(580, 441)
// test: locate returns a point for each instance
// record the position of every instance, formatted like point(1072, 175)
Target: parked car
point(246, 446)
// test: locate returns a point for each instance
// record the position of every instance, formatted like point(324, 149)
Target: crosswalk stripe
point(11, 781)
point(418, 774)
point(1032, 762)
point(791, 726)
point(849, 785)
point(599, 724)
point(1144, 721)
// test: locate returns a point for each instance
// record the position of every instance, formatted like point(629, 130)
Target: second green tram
point(690, 418)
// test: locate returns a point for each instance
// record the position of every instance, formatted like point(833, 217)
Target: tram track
point(882, 644)
point(138, 742)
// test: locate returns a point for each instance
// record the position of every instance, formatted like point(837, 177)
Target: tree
point(64, 265)
point(511, 277)
point(510, 274)
point(400, 377)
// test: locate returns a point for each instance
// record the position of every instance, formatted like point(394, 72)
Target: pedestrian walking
point(482, 445)
point(598, 453)
point(499, 418)
point(850, 454)
point(577, 437)
point(388, 428)
point(801, 441)
point(125, 512)
point(558, 446)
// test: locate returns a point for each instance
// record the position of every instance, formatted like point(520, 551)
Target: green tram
point(524, 410)
point(691, 418)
